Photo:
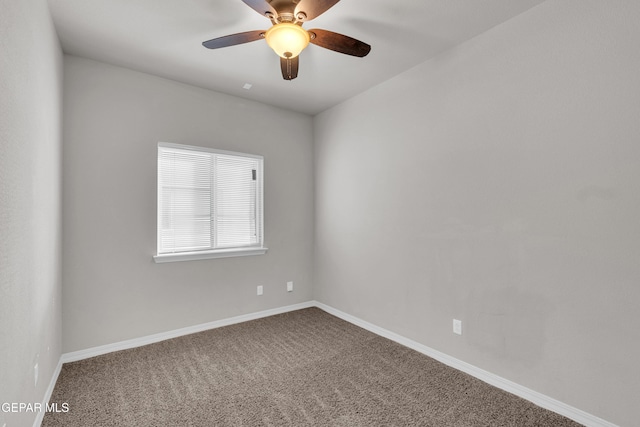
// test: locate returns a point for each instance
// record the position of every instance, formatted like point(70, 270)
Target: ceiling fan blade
point(261, 6)
point(313, 8)
point(339, 43)
point(289, 67)
point(234, 39)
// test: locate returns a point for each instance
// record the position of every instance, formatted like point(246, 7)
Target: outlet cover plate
point(457, 326)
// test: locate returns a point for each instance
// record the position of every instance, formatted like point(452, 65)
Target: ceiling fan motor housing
point(285, 9)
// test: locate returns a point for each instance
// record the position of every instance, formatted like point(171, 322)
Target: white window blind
point(208, 200)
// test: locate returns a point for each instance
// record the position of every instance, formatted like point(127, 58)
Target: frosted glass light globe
point(287, 40)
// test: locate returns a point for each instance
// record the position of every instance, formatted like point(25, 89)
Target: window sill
point(220, 253)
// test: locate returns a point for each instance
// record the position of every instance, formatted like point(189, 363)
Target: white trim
point(218, 253)
point(47, 394)
point(539, 399)
point(150, 339)
point(208, 150)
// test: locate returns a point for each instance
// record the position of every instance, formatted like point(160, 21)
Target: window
point(209, 203)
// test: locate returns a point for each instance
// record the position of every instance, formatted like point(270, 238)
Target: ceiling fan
point(286, 35)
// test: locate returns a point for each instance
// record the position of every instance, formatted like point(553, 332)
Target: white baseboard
point(495, 380)
point(47, 394)
point(150, 339)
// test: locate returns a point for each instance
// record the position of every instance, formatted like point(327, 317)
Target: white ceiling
point(164, 37)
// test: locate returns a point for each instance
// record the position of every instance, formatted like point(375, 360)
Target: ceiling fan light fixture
point(287, 40)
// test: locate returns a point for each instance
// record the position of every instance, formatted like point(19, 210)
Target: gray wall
point(499, 184)
point(30, 197)
point(113, 290)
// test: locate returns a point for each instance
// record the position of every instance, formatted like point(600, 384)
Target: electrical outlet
point(260, 290)
point(289, 286)
point(457, 326)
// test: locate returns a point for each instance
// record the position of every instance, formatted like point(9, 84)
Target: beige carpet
point(304, 368)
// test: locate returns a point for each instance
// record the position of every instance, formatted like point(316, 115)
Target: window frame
point(225, 252)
